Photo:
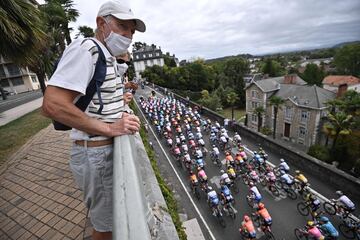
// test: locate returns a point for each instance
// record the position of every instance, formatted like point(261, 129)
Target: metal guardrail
point(129, 204)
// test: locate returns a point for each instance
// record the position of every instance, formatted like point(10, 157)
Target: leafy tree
point(169, 61)
point(347, 59)
point(313, 75)
point(259, 112)
point(272, 68)
point(85, 31)
point(276, 102)
point(210, 101)
point(138, 45)
point(338, 124)
point(231, 99)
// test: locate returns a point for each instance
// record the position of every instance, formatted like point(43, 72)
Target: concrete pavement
point(19, 111)
point(38, 197)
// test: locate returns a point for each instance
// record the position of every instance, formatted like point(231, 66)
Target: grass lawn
point(16, 133)
point(238, 113)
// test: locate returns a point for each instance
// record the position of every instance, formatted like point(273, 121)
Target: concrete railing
point(338, 179)
point(139, 209)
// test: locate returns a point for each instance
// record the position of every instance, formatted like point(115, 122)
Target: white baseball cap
point(122, 12)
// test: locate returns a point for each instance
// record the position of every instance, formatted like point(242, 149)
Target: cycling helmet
point(235, 133)
point(297, 172)
point(251, 184)
point(282, 160)
point(260, 149)
point(310, 224)
point(199, 168)
point(282, 172)
point(246, 218)
point(209, 188)
point(227, 153)
point(191, 172)
point(255, 152)
point(213, 146)
point(229, 167)
point(324, 219)
point(261, 205)
point(268, 169)
point(340, 193)
point(222, 171)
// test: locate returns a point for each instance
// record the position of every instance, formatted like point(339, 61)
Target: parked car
point(7, 93)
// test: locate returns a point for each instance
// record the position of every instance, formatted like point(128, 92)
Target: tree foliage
point(85, 31)
point(313, 75)
point(272, 68)
point(347, 59)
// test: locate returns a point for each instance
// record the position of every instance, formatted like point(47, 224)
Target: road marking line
point(177, 175)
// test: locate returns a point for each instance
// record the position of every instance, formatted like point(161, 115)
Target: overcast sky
point(216, 28)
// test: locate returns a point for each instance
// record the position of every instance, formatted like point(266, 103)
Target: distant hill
point(299, 51)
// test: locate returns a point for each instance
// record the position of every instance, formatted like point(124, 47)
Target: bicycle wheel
point(278, 184)
point(274, 190)
point(329, 208)
point(221, 221)
point(197, 193)
point(263, 181)
point(269, 236)
point(346, 231)
point(299, 235)
point(302, 208)
point(231, 212)
point(291, 194)
point(256, 220)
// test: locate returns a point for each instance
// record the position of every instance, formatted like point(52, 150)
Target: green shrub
point(320, 152)
point(266, 131)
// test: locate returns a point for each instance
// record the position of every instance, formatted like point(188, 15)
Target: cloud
point(211, 28)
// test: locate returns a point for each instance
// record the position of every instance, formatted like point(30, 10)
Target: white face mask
point(117, 44)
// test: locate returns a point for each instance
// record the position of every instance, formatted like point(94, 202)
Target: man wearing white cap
point(104, 116)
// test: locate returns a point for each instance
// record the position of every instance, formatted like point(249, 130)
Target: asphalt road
point(283, 210)
point(18, 99)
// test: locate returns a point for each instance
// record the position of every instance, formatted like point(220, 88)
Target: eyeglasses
point(121, 61)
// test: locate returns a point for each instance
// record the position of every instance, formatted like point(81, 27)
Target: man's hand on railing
point(128, 124)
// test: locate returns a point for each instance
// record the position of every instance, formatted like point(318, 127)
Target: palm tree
point(338, 124)
point(85, 31)
point(21, 34)
point(231, 98)
point(276, 102)
point(71, 16)
point(259, 111)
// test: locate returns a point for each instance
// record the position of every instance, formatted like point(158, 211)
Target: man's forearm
point(72, 116)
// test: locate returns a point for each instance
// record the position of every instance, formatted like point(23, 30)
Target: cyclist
point(202, 176)
point(313, 231)
point(300, 178)
point(328, 229)
point(286, 178)
point(182, 137)
point(270, 176)
point(225, 195)
point(265, 218)
point(237, 138)
point(314, 203)
point(255, 194)
point(213, 199)
point(169, 142)
point(345, 202)
point(213, 137)
point(194, 180)
point(231, 172)
point(223, 141)
point(252, 174)
point(258, 159)
point(198, 152)
point(224, 178)
point(177, 151)
point(215, 152)
point(283, 165)
point(184, 147)
point(247, 228)
point(229, 159)
point(187, 159)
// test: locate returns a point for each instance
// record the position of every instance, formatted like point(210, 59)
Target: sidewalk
point(16, 112)
point(38, 197)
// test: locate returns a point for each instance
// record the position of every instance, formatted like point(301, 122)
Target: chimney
point(290, 79)
point(341, 90)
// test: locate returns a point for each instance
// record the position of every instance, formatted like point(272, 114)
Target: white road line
point(177, 175)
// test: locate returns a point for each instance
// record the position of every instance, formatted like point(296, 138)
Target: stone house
point(299, 119)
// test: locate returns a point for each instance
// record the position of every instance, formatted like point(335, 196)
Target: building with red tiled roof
point(333, 82)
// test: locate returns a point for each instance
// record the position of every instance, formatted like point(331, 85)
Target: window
point(254, 94)
point(137, 56)
point(150, 54)
point(254, 105)
point(17, 81)
point(302, 132)
point(33, 79)
point(13, 69)
point(144, 56)
point(2, 72)
point(254, 118)
point(5, 83)
point(157, 54)
point(288, 112)
point(304, 116)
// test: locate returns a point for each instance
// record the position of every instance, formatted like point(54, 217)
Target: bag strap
point(95, 83)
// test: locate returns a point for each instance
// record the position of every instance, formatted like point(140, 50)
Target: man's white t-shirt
point(75, 71)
